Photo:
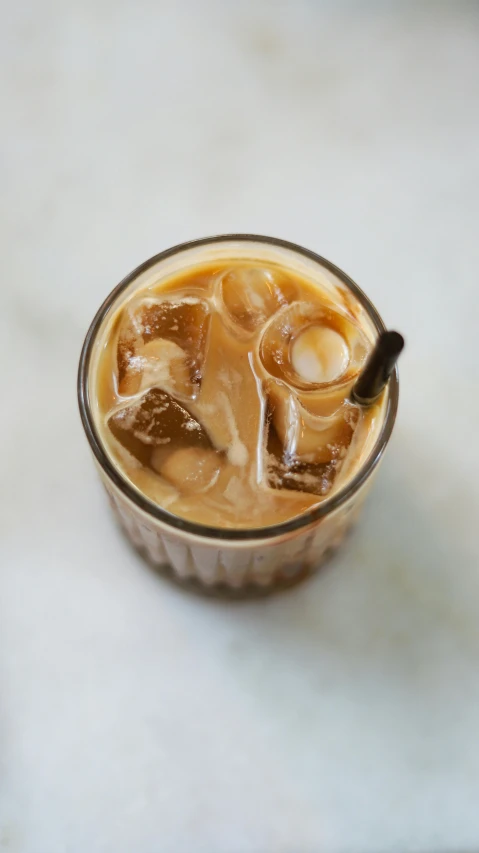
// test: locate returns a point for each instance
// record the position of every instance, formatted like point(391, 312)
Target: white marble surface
point(342, 717)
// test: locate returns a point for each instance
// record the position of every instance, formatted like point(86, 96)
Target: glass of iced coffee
point(215, 391)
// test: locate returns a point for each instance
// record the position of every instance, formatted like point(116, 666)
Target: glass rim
point(203, 531)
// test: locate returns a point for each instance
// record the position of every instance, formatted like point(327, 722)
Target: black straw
point(378, 368)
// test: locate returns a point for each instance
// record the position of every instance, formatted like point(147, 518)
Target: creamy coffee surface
point(223, 393)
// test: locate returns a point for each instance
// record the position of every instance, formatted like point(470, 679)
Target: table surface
point(343, 716)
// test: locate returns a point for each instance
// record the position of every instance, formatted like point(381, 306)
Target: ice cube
point(155, 421)
point(180, 322)
point(251, 295)
point(284, 471)
point(304, 452)
point(310, 437)
point(190, 469)
point(311, 347)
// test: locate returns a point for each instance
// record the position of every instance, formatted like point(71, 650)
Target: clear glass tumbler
point(224, 561)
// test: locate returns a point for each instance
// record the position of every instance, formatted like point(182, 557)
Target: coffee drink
point(224, 392)
point(218, 391)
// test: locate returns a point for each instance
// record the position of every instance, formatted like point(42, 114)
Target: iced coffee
point(217, 389)
point(224, 393)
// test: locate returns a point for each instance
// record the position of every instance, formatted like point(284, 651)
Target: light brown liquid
point(223, 393)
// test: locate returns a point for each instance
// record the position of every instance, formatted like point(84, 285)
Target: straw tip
point(391, 343)
point(378, 368)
